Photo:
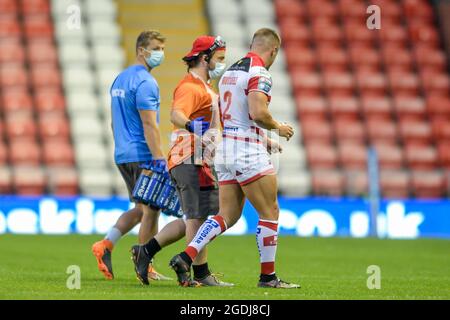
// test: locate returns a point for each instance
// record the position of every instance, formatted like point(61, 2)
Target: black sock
point(267, 277)
point(152, 247)
point(186, 258)
point(201, 271)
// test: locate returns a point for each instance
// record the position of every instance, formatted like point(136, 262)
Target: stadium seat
point(328, 182)
point(6, 186)
point(53, 127)
point(42, 52)
point(3, 154)
point(356, 182)
point(12, 51)
point(24, 152)
point(38, 26)
point(352, 156)
point(63, 181)
point(443, 149)
point(395, 184)
point(409, 107)
point(30, 7)
point(344, 107)
point(21, 128)
point(438, 105)
point(441, 129)
point(349, 131)
point(428, 184)
point(28, 180)
point(382, 131)
point(58, 153)
point(421, 157)
point(321, 156)
point(311, 108)
point(415, 131)
point(96, 182)
point(390, 156)
point(316, 131)
point(45, 75)
point(378, 108)
point(49, 101)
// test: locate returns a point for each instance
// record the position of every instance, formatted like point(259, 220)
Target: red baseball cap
point(205, 44)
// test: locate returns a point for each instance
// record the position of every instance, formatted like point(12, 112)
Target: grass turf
point(34, 267)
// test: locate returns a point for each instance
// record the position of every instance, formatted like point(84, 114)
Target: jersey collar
point(255, 56)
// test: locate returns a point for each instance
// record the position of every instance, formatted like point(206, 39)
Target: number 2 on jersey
point(227, 99)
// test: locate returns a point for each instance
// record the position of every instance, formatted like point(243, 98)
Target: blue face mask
point(155, 59)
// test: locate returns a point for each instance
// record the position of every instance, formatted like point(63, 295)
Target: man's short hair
point(269, 36)
point(145, 37)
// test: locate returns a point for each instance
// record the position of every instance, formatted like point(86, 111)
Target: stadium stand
point(349, 88)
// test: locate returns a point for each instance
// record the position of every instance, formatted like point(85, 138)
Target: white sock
point(113, 235)
point(266, 238)
point(210, 229)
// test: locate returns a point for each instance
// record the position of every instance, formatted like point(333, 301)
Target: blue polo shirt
point(134, 89)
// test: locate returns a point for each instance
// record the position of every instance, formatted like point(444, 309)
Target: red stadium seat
point(5, 181)
point(349, 131)
point(352, 156)
point(288, 8)
point(12, 52)
point(421, 157)
point(404, 83)
point(438, 105)
point(361, 55)
point(3, 154)
point(389, 156)
point(339, 82)
point(424, 34)
point(443, 149)
point(344, 107)
point(376, 108)
point(321, 156)
point(332, 57)
point(358, 33)
point(326, 32)
point(417, 8)
point(371, 83)
point(394, 184)
point(306, 83)
point(8, 6)
point(44, 75)
point(428, 56)
point(300, 56)
point(63, 181)
point(428, 184)
point(17, 101)
point(321, 8)
point(39, 52)
point(38, 27)
point(409, 107)
point(58, 153)
point(435, 83)
point(49, 101)
point(393, 34)
point(311, 107)
point(21, 128)
point(294, 32)
point(415, 131)
point(356, 182)
point(24, 153)
point(35, 7)
point(316, 131)
point(54, 128)
point(328, 182)
point(441, 129)
point(29, 180)
point(13, 75)
point(10, 29)
point(381, 131)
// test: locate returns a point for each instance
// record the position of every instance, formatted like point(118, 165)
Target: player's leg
point(142, 255)
point(102, 249)
point(262, 193)
point(231, 202)
point(149, 223)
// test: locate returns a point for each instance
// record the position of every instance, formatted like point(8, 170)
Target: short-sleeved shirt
point(246, 75)
point(134, 89)
point(193, 97)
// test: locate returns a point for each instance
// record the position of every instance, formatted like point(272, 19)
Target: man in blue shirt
point(135, 104)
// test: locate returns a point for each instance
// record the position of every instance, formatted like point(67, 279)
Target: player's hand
point(286, 130)
point(273, 146)
point(198, 124)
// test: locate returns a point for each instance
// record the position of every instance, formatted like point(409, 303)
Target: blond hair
point(145, 37)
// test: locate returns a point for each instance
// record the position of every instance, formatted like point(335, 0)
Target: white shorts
point(241, 160)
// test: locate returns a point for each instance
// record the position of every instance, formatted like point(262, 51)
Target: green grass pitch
point(34, 267)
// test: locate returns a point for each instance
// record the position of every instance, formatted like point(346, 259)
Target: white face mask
point(218, 70)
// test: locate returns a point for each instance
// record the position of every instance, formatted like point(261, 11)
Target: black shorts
point(130, 173)
point(197, 189)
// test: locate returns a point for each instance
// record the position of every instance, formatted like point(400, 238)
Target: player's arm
point(178, 118)
point(151, 132)
point(259, 112)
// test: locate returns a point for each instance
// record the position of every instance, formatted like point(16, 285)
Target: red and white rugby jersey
point(246, 75)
